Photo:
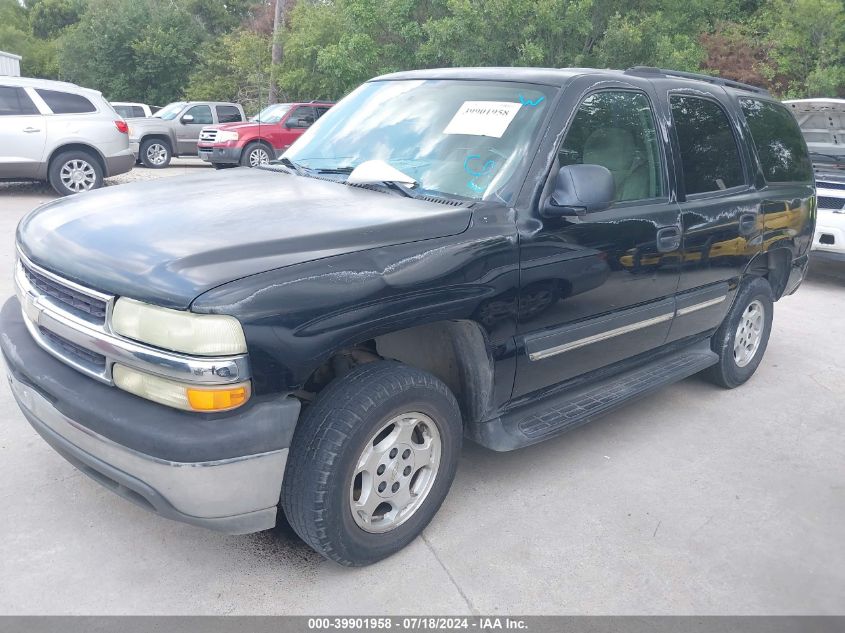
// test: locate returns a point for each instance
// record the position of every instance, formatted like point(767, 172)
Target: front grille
point(827, 202)
point(208, 136)
point(78, 301)
point(73, 350)
point(829, 184)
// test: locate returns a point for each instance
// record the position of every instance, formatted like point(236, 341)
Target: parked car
point(61, 133)
point(174, 130)
point(262, 139)
point(438, 258)
point(131, 110)
point(822, 122)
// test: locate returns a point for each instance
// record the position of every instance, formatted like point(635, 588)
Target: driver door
point(599, 288)
point(188, 132)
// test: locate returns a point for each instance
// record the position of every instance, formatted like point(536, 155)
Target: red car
point(261, 139)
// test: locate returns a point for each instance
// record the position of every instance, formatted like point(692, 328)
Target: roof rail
point(719, 81)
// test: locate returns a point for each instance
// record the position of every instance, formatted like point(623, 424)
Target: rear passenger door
point(23, 134)
point(720, 207)
point(598, 289)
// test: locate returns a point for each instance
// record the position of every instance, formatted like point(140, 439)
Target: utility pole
point(276, 50)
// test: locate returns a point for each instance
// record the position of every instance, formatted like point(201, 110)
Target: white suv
point(822, 122)
point(59, 132)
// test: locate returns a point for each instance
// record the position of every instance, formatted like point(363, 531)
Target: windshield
point(272, 114)
point(170, 111)
point(459, 138)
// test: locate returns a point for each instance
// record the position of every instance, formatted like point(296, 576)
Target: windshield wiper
point(287, 162)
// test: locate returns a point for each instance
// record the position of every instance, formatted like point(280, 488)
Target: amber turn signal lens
point(217, 399)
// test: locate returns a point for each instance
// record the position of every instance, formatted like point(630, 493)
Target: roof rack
point(719, 81)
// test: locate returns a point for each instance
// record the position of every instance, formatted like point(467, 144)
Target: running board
point(541, 419)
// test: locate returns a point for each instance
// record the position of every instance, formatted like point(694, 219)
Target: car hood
point(241, 125)
point(170, 240)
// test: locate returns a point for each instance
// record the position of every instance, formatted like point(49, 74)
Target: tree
point(134, 50)
point(234, 68)
point(276, 50)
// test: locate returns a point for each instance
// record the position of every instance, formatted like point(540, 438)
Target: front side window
point(777, 138)
point(65, 102)
point(615, 129)
point(228, 114)
point(201, 114)
point(302, 117)
point(15, 101)
point(709, 153)
point(468, 139)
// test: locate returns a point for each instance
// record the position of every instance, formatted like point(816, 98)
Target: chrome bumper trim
point(198, 492)
point(41, 311)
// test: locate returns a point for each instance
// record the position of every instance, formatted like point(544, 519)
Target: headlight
point(200, 334)
point(223, 136)
point(178, 395)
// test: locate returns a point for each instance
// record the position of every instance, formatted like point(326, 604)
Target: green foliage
point(161, 50)
point(235, 67)
point(49, 18)
point(134, 50)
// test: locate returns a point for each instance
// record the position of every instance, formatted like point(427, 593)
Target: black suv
point(498, 254)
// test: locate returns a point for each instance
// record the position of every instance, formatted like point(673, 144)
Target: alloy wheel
point(395, 472)
point(749, 333)
point(78, 175)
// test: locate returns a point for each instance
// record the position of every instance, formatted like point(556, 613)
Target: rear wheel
point(255, 154)
point(371, 461)
point(742, 338)
point(75, 171)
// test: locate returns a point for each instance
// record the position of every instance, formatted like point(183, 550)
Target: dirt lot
point(695, 501)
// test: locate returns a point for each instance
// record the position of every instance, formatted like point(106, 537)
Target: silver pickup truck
point(174, 130)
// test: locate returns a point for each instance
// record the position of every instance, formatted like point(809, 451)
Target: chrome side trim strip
point(701, 306)
point(603, 336)
point(41, 312)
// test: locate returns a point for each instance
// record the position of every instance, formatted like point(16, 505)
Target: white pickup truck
point(822, 122)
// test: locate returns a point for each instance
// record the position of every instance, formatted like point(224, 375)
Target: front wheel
point(371, 461)
point(255, 154)
point(155, 153)
point(742, 338)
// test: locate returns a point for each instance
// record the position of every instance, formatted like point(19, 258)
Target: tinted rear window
point(709, 154)
point(15, 101)
point(128, 112)
point(228, 114)
point(65, 102)
point(780, 146)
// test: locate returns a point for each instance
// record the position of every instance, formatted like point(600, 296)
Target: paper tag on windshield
point(483, 118)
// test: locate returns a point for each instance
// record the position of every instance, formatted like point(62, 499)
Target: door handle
point(668, 239)
point(30, 130)
point(747, 223)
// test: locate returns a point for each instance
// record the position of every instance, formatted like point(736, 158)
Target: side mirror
point(580, 189)
point(188, 118)
point(297, 123)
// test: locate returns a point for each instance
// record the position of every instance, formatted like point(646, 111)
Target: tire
point(747, 325)
point(155, 153)
point(256, 154)
point(75, 171)
point(351, 419)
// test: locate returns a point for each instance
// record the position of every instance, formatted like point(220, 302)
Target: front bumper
point(222, 471)
point(220, 155)
point(830, 233)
